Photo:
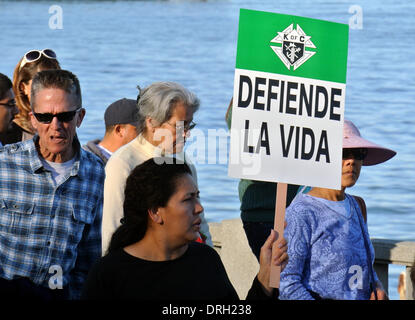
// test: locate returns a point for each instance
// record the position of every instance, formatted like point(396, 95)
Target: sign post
point(288, 104)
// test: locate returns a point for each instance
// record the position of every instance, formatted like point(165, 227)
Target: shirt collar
point(153, 151)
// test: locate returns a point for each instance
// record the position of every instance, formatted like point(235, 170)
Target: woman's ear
point(25, 88)
point(155, 215)
point(150, 125)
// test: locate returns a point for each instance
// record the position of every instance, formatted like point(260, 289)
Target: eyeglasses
point(10, 104)
point(355, 153)
point(34, 55)
point(62, 117)
point(181, 128)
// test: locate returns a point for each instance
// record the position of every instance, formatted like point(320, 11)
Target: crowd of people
point(121, 218)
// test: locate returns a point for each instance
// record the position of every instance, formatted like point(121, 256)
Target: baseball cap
point(123, 111)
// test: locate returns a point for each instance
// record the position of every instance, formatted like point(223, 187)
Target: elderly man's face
point(56, 137)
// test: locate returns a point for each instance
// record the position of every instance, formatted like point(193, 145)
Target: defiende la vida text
point(316, 101)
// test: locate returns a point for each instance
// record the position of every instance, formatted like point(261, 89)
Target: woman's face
point(351, 165)
point(181, 216)
point(171, 135)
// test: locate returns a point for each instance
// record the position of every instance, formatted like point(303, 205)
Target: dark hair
point(149, 187)
point(61, 79)
point(5, 85)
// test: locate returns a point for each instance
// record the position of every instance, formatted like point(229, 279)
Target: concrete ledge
point(230, 241)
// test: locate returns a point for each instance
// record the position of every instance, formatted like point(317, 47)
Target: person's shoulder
point(127, 156)
point(90, 145)
point(110, 261)
point(18, 148)
point(91, 158)
point(202, 250)
point(303, 207)
point(91, 149)
point(91, 165)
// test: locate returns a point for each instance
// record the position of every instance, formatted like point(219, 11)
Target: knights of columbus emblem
point(293, 50)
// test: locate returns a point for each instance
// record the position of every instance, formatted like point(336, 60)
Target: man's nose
point(55, 123)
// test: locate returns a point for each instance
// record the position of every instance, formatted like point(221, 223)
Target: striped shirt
point(50, 234)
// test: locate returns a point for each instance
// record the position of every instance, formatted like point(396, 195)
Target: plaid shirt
point(50, 234)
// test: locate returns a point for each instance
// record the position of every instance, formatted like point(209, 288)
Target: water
point(115, 45)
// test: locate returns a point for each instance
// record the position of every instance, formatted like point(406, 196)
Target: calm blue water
point(114, 45)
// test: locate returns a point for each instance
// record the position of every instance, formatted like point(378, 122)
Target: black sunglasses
point(62, 117)
point(355, 153)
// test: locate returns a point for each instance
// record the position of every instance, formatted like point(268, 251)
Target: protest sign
point(288, 104)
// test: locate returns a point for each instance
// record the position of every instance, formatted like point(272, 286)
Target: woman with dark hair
point(154, 255)
point(8, 108)
point(31, 63)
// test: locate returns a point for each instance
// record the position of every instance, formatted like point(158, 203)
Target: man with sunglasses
point(51, 199)
point(8, 108)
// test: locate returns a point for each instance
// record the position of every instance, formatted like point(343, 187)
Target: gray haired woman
point(166, 118)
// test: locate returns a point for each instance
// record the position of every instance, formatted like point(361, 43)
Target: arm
point(298, 235)
point(260, 287)
point(116, 173)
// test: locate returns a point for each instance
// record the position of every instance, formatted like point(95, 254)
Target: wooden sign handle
point(280, 203)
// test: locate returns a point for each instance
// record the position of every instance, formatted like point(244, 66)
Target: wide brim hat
point(375, 154)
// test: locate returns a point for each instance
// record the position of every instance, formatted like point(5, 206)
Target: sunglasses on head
point(34, 55)
point(355, 153)
point(62, 117)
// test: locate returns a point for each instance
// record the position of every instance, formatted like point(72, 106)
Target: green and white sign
point(288, 101)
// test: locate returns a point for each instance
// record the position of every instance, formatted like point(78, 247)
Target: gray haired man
point(51, 198)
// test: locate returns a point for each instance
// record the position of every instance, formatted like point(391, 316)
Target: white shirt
point(59, 170)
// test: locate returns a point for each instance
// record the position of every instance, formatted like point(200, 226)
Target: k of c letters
point(278, 96)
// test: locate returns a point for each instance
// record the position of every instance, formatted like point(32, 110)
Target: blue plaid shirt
point(49, 233)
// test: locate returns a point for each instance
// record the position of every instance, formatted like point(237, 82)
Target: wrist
point(264, 283)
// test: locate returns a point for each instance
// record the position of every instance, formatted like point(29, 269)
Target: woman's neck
point(328, 194)
point(154, 248)
point(150, 138)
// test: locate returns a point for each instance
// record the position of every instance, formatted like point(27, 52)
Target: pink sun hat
point(375, 153)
